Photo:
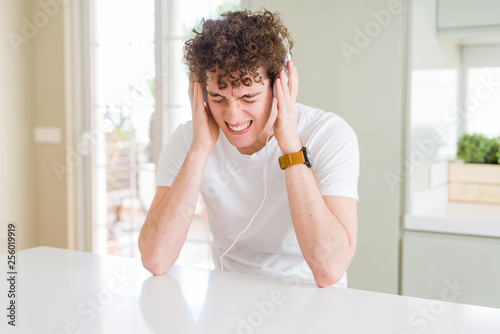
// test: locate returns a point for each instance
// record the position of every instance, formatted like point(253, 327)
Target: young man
point(306, 227)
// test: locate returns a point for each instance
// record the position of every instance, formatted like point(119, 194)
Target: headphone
point(288, 57)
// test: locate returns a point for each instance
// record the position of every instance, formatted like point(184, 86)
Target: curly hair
point(237, 45)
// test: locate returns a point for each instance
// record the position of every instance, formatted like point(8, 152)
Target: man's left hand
point(285, 127)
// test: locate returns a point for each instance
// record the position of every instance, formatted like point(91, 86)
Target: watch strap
point(291, 159)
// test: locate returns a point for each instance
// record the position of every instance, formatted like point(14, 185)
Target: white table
point(61, 291)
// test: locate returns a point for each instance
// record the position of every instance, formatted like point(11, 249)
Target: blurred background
point(91, 90)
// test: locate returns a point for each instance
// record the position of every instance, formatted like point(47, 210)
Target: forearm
point(323, 240)
point(165, 229)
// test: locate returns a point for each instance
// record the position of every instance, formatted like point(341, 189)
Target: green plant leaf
point(478, 149)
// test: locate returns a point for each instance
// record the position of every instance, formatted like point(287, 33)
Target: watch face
point(306, 156)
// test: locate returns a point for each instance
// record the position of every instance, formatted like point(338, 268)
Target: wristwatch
point(295, 158)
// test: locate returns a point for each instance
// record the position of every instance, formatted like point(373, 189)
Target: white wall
point(32, 86)
point(17, 161)
point(48, 77)
point(368, 92)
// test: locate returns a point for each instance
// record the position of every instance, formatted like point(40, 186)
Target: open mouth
point(240, 128)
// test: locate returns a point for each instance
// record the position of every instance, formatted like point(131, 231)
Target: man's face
point(244, 114)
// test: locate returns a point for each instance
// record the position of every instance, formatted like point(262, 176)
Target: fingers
point(286, 91)
point(290, 86)
point(282, 90)
point(190, 89)
point(196, 95)
point(284, 81)
point(280, 94)
point(279, 89)
point(293, 80)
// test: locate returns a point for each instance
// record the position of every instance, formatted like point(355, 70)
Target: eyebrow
point(246, 96)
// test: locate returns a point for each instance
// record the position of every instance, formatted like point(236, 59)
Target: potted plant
point(475, 177)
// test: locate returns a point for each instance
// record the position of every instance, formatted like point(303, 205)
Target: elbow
point(150, 259)
point(153, 263)
point(157, 272)
point(153, 266)
point(327, 279)
point(331, 273)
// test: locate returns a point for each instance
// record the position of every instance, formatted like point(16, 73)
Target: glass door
point(137, 70)
point(123, 164)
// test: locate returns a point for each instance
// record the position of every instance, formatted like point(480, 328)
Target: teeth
point(241, 127)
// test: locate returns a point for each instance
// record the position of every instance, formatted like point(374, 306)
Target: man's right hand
point(205, 129)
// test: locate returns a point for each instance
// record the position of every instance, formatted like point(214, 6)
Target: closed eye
point(219, 101)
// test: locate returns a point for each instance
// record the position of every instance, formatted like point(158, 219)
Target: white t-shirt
point(233, 189)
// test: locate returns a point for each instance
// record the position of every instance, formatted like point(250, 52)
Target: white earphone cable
point(264, 177)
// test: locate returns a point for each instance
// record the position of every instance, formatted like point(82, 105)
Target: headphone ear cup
point(205, 95)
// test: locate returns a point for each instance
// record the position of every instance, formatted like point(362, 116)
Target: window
point(123, 166)
point(138, 93)
point(481, 100)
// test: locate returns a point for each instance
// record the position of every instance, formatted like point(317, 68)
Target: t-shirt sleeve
point(173, 155)
point(335, 159)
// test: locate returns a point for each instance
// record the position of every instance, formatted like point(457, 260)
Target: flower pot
point(478, 183)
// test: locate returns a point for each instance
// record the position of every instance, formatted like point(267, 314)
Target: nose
point(232, 110)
